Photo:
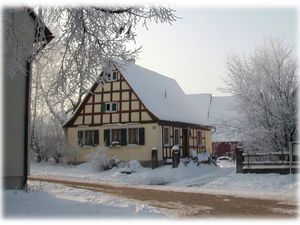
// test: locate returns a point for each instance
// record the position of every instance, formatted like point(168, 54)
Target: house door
point(185, 143)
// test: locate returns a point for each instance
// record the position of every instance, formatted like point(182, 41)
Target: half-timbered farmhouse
point(135, 111)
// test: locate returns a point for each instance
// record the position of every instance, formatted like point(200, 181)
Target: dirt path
point(185, 204)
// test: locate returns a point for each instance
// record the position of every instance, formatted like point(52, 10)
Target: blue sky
point(193, 50)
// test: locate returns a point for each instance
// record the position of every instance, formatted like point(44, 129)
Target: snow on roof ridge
point(124, 64)
point(200, 94)
point(161, 94)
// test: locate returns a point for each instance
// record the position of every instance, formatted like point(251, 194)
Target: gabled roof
point(221, 112)
point(162, 95)
point(223, 107)
point(202, 101)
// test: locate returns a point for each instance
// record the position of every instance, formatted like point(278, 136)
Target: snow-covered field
point(191, 178)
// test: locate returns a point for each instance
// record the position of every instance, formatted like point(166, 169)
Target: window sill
point(114, 146)
point(133, 145)
point(124, 146)
point(88, 146)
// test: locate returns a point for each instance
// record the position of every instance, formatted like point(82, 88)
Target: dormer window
point(113, 76)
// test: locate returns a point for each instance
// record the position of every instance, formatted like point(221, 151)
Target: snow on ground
point(205, 178)
point(53, 200)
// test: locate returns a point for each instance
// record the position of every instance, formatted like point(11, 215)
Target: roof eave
point(48, 34)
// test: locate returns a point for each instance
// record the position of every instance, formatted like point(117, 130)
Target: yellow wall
point(208, 143)
point(141, 153)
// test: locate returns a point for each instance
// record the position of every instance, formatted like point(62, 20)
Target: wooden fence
point(268, 162)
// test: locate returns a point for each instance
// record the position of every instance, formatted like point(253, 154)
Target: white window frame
point(110, 106)
point(111, 77)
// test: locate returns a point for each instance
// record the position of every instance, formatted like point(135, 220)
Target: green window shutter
point(96, 137)
point(80, 137)
point(106, 137)
point(102, 107)
point(141, 136)
point(123, 137)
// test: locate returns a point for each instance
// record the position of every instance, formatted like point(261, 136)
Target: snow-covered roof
point(223, 112)
point(223, 107)
point(202, 101)
point(162, 95)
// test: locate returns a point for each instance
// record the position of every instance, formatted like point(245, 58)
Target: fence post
point(290, 155)
point(154, 158)
point(239, 159)
point(175, 156)
point(248, 159)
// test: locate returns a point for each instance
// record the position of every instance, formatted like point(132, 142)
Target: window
point(114, 107)
point(88, 137)
point(124, 136)
point(113, 76)
point(107, 107)
point(116, 135)
point(190, 132)
point(133, 136)
point(199, 138)
point(166, 136)
point(176, 137)
point(119, 137)
point(111, 107)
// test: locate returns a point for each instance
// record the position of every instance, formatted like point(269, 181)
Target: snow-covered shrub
point(100, 160)
point(33, 156)
point(134, 165)
point(48, 141)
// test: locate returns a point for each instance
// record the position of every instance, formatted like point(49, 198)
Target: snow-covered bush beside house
point(100, 161)
point(134, 165)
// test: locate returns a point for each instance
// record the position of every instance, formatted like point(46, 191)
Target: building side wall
point(224, 148)
point(192, 141)
point(126, 153)
point(14, 85)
